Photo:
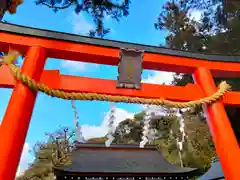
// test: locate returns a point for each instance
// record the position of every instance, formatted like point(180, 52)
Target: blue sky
point(51, 113)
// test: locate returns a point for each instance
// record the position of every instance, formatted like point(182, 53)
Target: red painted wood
point(18, 114)
point(110, 56)
point(223, 136)
point(53, 79)
point(16, 120)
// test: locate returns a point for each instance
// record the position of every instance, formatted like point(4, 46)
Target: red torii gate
point(38, 45)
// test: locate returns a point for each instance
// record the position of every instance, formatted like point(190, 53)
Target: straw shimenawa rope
point(35, 86)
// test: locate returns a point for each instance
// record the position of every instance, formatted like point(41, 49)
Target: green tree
point(97, 9)
point(215, 33)
point(198, 149)
point(198, 141)
point(49, 155)
point(128, 132)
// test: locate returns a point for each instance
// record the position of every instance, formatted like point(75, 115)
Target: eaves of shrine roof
point(121, 159)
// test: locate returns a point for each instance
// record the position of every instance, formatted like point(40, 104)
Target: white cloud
point(100, 131)
point(89, 131)
point(74, 66)
point(159, 77)
point(26, 158)
point(80, 25)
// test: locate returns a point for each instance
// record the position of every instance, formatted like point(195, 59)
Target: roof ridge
point(113, 145)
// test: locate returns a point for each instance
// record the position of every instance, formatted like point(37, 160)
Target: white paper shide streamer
point(181, 141)
point(111, 127)
point(146, 129)
point(78, 131)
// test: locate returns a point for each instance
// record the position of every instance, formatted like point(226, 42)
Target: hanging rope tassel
point(33, 85)
point(146, 128)
point(79, 135)
point(180, 142)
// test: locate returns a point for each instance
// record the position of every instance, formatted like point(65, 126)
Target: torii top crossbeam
point(86, 49)
point(38, 45)
point(93, 50)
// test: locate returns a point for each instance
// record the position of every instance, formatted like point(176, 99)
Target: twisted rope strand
point(33, 85)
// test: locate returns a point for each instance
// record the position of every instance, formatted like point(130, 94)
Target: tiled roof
point(96, 158)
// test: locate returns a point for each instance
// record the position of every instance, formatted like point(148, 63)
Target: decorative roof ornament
point(111, 128)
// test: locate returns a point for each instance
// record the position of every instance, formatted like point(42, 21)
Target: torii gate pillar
point(17, 117)
point(220, 127)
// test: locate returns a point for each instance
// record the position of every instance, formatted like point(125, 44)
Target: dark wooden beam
point(47, 34)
